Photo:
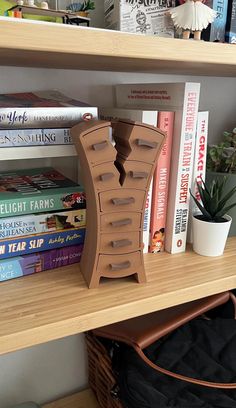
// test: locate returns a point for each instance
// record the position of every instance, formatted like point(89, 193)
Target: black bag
point(199, 349)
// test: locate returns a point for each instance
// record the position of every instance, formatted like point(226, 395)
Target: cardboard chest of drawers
point(116, 179)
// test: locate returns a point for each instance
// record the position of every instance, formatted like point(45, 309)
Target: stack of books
point(42, 213)
point(42, 221)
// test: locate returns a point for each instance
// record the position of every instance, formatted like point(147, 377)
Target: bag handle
point(191, 380)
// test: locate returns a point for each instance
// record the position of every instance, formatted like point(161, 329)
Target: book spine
point(181, 170)
point(146, 220)
point(72, 197)
point(199, 165)
point(45, 117)
point(216, 30)
point(161, 185)
point(39, 262)
point(35, 137)
point(41, 242)
point(230, 35)
point(11, 227)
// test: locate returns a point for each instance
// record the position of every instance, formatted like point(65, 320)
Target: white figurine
point(192, 16)
point(44, 5)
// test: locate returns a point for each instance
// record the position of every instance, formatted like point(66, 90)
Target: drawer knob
point(139, 174)
point(106, 176)
point(119, 266)
point(146, 143)
point(121, 243)
point(99, 146)
point(123, 201)
point(119, 223)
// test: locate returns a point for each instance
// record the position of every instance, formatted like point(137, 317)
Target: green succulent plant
point(222, 157)
point(214, 202)
point(85, 6)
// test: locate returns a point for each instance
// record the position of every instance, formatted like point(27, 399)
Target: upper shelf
point(40, 44)
point(54, 304)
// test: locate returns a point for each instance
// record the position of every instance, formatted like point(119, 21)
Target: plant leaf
point(201, 207)
point(225, 210)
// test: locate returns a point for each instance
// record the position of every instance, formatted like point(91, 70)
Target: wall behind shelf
point(58, 368)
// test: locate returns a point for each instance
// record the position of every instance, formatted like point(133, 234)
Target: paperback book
point(38, 262)
point(11, 227)
point(146, 116)
point(183, 99)
point(38, 190)
point(47, 109)
point(216, 30)
point(41, 242)
point(161, 185)
point(34, 137)
point(199, 165)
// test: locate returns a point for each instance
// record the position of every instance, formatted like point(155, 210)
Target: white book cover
point(34, 137)
point(183, 99)
point(199, 165)
point(146, 116)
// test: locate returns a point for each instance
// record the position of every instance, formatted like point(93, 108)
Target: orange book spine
point(160, 185)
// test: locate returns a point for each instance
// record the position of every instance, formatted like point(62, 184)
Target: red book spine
point(160, 185)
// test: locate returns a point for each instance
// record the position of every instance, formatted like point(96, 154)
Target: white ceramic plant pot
point(209, 238)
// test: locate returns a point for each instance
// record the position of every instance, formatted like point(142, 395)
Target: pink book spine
point(160, 185)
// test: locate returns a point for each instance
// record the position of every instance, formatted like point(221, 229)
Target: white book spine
point(199, 165)
point(15, 118)
point(181, 170)
point(34, 137)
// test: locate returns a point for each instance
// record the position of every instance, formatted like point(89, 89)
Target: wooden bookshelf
point(24, 43)
point(83, 399)
point(54, 304)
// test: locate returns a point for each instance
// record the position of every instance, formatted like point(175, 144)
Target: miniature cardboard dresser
point(116, 180)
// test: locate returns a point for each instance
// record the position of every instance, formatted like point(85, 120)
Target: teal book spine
point(37, 191)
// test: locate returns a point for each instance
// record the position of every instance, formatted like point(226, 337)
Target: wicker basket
point(101, 377)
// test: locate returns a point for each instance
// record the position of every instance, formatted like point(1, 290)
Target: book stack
point(40, 118)
point(42, 221)
point(173, 107)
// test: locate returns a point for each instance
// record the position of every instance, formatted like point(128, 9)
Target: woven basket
point(101, 377)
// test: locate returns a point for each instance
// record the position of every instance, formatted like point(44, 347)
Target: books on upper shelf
point(38, 223)
point(161, 185)
point(38, 190)
point(146, 116)
point(230, 35)
point(183, 99)
point(199, 165)
point(216, 30)
point(44, 109)
point(35, 137)
point(39, 262)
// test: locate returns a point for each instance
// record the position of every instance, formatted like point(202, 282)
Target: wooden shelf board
point(24, 43)
point(36, 152)
point(83, 399)
point(54, 304)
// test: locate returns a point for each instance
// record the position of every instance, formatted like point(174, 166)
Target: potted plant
point(221, 160)
point(211, 226)
point(82, 9)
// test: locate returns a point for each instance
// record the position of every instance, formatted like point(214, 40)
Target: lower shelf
point(83, 399)
point(54, 304)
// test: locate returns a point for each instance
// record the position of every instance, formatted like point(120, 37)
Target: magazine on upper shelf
point(38, 190)
point(183, 99)
point(47, 109)
point(216, 30)
point(230, 35)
